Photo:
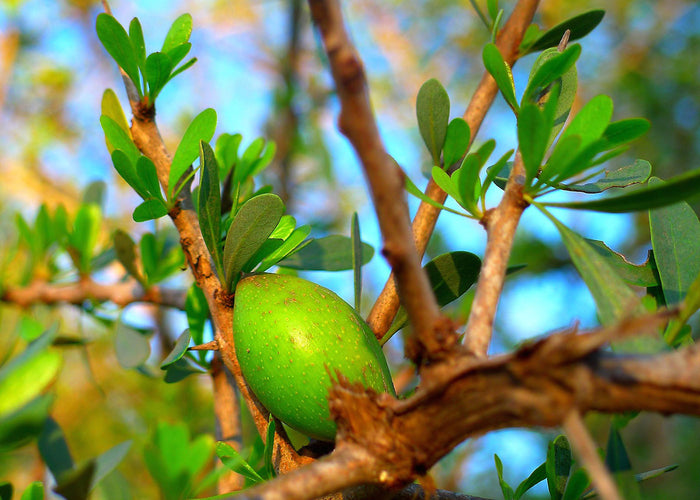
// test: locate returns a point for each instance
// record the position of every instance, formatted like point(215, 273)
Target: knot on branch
point(442, 343)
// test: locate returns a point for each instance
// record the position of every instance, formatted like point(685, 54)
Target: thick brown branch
point(500, 224)
point(431, 336)
point(387, 304)
point(390, 443)
point(122, 294)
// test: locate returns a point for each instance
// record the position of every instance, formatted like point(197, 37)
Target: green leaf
point(680, 188)
point(150, 209)
point(642, 275)
point(289, 245)
point(467, 176)
point(550, 66)
point(183, 67)
point(177, 54)
point(537, 476)
point(21, 426)
point(150, 254)
point(591, 121)
point(83, 238)
point(201, 129)
point(179, 350)
point(533, 135)
point(234, 461)
point(579, 26)
point(501, 72)
point(637, 173)
point(624, 131)
point(505, 487)
point(131, 347)
point(675, 238)
point(578, 483)
point(94, 192)
point(618, 462)
point(451, 275)
point(501, 170)
point(457, 140)
point(119, 139)
point(108, 461)
point(654, 473)
point(110, 107)
point(6, 491)
point(181, 369)
point(54, 449)
point(126, 169)
point(411, 188)
point(269, 448)
point(613, 298)
point(197, 311)
point(356, 260)
point(448, 184)
point(179, 32)
point(149, 176)
point(35, 491)
point(330, 253)
point(137, 42)
point(158, 68)
point(433, 113)
point(558, 466)
point(75, 485)
point(117, 43)
point(244, 167)
point(250, 228)
point(227, 152)
point(210, 205)
point(674, 332)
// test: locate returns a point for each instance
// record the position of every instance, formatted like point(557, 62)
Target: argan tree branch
point(500, 224)
point(390, 443)
point(432, 335)
point(122, 294)
point(509, 38)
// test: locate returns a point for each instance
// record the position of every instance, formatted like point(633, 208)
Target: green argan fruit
point(291, 337)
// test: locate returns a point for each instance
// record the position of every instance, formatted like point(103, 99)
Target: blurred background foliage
point(261, 68)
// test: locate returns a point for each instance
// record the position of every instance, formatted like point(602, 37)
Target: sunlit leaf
point(200, 129)
point(234, 461)
point(505, 487)
point(178, 351)
point(119, 139)
point(158, 68)
point(150, 209)
point(136, 37)
point(537, 476)
point(179, 32)
point(501, 72)
point(117, 43)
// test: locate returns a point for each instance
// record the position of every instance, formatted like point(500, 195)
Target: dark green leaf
point(617, 461)
point(505, 487)
point(457, 140)
point(119, 139)
point(94, 193)
point(613, 298)
point(6, 491)
point(158, 68)
point(180, 369)
point(330, 253)
point(179, 350)
point(35, 491)
point(179, 32)
point(132, 348)
point(558, 466)
point(499, 170)
point(578, 483)
point(210, 205)
point(680, 188)
point(537, 476)
point(136, 37)
point(86, 230)
point(126, 169)
point(654, 473)
point(234, 461)
point(21, 426)
point(501, 72)
point(201, 129)
point(54, 449)
point(356, 260)
point(197, 311)
point(675, 237)
point(250, 228)
point(150, 209)
point(433, 113)
point(75, 485)
point(674, 333)
point(579, 26)
point(637, 173)
point(117, 43)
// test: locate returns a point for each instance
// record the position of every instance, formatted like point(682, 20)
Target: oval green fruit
point(291, 337)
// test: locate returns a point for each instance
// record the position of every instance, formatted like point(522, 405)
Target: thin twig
point(121, 294)
point(587, 452)
point(431, 336)
point(387, 304)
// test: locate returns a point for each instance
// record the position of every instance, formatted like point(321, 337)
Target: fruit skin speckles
point(280, 318)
